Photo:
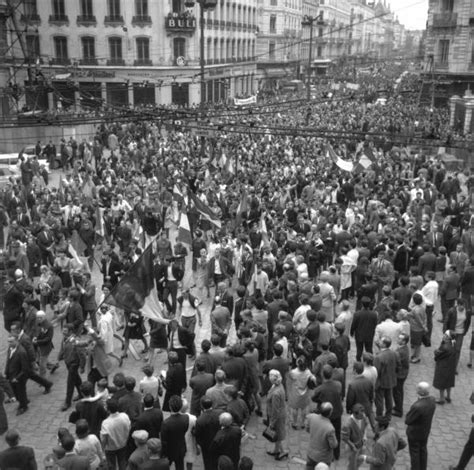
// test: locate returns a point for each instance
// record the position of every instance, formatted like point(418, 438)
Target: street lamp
point(205, 5)
point(309, 21)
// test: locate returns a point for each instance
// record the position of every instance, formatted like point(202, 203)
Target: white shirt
point(430, 292)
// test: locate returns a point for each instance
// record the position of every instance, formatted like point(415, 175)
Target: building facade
point(126, 53)
point(449, 47)
point(278, 41)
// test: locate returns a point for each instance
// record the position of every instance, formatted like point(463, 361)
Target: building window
point(141, 7)
point(143, 50)
point(273, 21)
point(179, 47)
point(86, 8)
point(472, 48)
point(443, 51)
point(114, 8)
point(60, 49)
point(115, 50)
point(320, 32)
point(271, 51)
point(88, 50)
point(59, 10)
point(319, 52)
point(447, 5)
point(31, 9)
point(32, 46)
point(177, 6)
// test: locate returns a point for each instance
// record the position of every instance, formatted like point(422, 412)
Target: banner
point(245, 101)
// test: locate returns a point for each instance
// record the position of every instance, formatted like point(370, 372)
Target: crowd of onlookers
point(299, 255)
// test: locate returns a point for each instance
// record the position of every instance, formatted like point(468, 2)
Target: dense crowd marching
point(298, 255)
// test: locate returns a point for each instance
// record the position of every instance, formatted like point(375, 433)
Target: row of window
point(217, 50)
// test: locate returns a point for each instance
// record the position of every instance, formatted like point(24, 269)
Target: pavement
point(451, 424)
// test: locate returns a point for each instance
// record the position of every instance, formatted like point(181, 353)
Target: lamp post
point(205, 5)
point(309, 21)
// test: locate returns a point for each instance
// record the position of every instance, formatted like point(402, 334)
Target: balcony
point(141, 21)
point(117, 62)
point(180, 23)
point(31, 18)
point(143, 62)
point(86, 20)
point(59, 20)
point(88, 61)
point(60, 61)
point(445, 20)
point(115, 20)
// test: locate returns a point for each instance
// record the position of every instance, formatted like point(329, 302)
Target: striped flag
point(73, 253)
point(205, 211)
point(330, 153)
point(184, 231)
point(136, 291)
point(177, 194)
point(77, 243)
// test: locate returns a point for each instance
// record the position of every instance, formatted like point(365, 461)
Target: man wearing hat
point(140, 454)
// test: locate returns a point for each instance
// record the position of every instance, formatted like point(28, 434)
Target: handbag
point(425, 339)
point(270, 434)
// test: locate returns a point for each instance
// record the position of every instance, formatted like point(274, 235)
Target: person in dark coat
point(206, 428)
point(361, 390)
point(5, 389)
point(151, 418)
point(418, 421)
point(175, 382)
point(12, 303)
point(17, 456)
point(403, 352)
point(72, 461)
point(17, 369)
point(199, 384)
point(445, 367)
point(173, 431)
point(227, 439)
point(363, 328)
point(89, 409)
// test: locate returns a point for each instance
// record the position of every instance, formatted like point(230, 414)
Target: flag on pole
point(136, 291)
point(345, 165)
point(99, 221)
point(184, 230)
point(74, 254)
point(205, 211)
point(330, 153)
point(366, 160)
point(177, 194)
point(78, 243)
point(242, 208)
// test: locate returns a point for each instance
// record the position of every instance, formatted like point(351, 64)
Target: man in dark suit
point(331, 391)
point(167, 275)
point(361, 390)
point(181, 340)
point(434, 238)
point(449, 290)
point(12, 303)
point(72, 461)
point(220, 267)
point(45, 241)
point(131, 401)
point(363, 327)
point(92, 411)
point(175, 382)
point(173, 431)
point(151, 418)
point(430, 194)
point(467, 285)
point(227, 439)
point(111, 267)
point(17, 369)
point(403, 353)
point(427, 261)
point(17, 456)
point(387, 364)
point(199, 384)
point(418, 421)
point(206, 428)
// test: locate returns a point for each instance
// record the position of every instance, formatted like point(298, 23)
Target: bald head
point(225, 420)
point(325, 409)
point(423, 389)
point(219, 376)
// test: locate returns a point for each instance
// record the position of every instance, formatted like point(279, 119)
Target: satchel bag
point(270, 434)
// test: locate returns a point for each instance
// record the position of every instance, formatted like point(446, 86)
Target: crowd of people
point(292, 258)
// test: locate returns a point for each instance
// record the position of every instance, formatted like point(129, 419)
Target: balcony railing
point(143, 62)
point(88, 61)
point(114, 20)
point(441, 65)
point(445, 20)
point(60, 61)
point(180, 23)
point(141, 20)
point(59, 19)
point(117, 62)
point(86, 20)
point(31, 18)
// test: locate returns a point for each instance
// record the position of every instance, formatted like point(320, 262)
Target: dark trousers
point(19, 390)
point(32, 375)
point(383, 395)
point(178, 462)
point(181, 352)
point(73, 380)
point(467, 452)
point(429, 320)
point(398, 394)
point(418, 454)
point(209, 460)
point(116, 459)
point(360, 345)
point(336, 422)
point(171, 288)
point(190, 324)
